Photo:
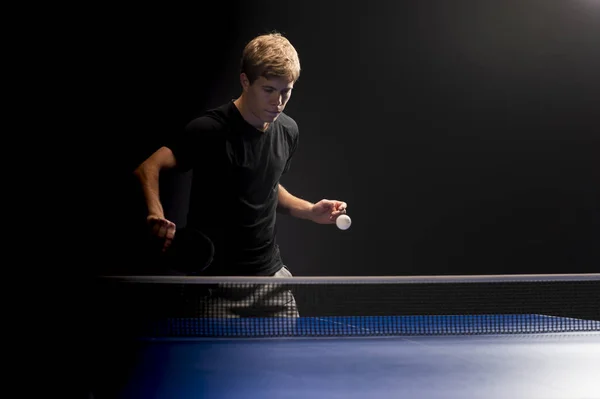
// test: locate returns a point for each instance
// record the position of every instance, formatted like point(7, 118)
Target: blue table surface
point(514, 365)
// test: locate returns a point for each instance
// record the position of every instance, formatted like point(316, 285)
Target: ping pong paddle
point(191, 252)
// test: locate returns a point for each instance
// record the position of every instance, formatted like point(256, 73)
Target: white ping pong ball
point(343, 222)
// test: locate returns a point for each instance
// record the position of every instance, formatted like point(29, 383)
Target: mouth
point(274, 112)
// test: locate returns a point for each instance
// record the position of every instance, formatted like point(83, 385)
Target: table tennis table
point(514, 356)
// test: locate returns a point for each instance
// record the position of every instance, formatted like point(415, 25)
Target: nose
point(277, 99)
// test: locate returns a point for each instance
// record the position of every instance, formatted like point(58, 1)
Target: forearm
point(294, 206)
point(148, 177)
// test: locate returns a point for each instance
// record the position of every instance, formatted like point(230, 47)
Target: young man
point(238, 153)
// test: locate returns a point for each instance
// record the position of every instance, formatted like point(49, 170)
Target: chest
point(256, 162)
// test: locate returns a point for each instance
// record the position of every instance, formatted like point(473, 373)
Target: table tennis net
point(195, 307)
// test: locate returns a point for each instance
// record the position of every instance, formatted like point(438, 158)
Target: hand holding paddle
point(186, 250)
point(161, 230)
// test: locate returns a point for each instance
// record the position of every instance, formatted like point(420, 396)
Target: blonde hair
point(270, 55)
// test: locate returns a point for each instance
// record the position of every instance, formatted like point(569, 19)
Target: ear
point(244, 81)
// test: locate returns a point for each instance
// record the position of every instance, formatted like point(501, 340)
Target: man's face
point(267, 98)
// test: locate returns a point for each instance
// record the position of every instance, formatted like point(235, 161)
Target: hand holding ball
point(343, 222)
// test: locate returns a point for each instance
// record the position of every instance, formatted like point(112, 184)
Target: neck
point(248, 115)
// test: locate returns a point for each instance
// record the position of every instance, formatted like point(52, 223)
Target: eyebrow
point(275, 88)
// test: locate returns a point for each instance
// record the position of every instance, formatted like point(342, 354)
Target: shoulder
point(199, 137)
point(212, 120)
point(288, 123)
point(287, 132)
point(288, 128)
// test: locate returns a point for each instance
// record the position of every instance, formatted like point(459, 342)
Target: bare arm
point(294, 206)
point(323, 212)
point(148, 175)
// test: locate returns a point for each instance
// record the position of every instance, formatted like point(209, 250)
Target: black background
point(463, 135)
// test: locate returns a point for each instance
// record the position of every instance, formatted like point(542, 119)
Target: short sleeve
point(192, 145)
point(293, 147)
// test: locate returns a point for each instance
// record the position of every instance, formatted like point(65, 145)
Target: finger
point(166, 229)
point(340, 210)
point(170, 233)
point(335, 215)
point(162, 230)
point(169, 236)
point(167, 244)
point(328, 204)
point(341, 206)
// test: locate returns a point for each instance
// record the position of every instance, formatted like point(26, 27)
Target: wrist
point(155, 210)
point(304, 211)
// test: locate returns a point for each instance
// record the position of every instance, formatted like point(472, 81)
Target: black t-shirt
point(235, 186)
